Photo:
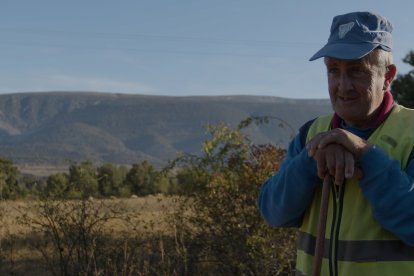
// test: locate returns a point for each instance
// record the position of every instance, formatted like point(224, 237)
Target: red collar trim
point(387, 105)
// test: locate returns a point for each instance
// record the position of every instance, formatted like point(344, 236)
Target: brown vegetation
point(22, 242)
point(211, 226)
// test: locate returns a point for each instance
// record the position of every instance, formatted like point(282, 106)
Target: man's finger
point(349, 164)
point(321, 165)
point(313, 144)
point(339, 167)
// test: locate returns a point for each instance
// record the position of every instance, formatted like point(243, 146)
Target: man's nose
point(345, 82)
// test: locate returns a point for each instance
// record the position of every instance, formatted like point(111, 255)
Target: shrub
point(70, 234)
point(225, 233)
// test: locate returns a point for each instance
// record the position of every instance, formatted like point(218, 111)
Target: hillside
point(52, 128)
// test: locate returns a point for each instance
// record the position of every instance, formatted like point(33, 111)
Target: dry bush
point(101, 237)
point(220, 221)
point(69, 233)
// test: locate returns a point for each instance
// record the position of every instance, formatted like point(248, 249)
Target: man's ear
point(389, 75)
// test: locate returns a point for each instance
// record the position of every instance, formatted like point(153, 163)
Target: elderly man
point(367, 148)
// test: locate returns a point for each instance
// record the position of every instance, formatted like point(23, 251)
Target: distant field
point(153, 207)
point(42, 170)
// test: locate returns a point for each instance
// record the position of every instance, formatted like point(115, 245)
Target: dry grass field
point(42, 170)
point(18, 256)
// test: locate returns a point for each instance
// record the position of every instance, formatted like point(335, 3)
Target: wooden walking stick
point(320, 238)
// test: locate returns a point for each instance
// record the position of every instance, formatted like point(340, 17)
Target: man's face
point(356, 89)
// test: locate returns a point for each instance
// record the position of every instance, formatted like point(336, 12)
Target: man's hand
point(351, 142)
point(337, 161)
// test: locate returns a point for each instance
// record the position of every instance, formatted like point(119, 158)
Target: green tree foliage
point(143, 179)
point(9, 188)
point(110, 180)
point(31, 185)
point(189, 181)
point(57, 185)
point(229, 236)
point(403, 85)
point(83, 181)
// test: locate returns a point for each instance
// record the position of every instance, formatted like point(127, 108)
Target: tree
point(403, 86)
point(31, 185)
point(83, 180)
point(9, 188)
point(143, 179)
point(57, 185)
point(110, 180)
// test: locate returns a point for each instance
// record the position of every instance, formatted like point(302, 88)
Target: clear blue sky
point(178, 48)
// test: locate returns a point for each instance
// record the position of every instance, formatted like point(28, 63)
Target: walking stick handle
point(320, 238)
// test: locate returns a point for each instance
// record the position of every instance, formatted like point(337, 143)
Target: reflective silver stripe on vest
point(361, 251)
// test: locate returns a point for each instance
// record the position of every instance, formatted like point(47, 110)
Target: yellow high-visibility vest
point(355, 244)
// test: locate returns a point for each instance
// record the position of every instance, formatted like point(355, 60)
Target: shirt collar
point(386, 107)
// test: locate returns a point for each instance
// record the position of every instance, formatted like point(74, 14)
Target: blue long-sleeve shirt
point(285, 196)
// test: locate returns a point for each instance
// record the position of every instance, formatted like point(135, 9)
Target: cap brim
point(345, 51)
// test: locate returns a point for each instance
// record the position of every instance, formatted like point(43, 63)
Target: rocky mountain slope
point(56, 127)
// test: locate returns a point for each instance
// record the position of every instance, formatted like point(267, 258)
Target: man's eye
point(332, 70)
point(358, 72)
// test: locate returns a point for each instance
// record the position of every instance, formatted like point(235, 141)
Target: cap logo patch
point(345, 28)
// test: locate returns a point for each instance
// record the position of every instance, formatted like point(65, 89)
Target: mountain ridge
point(53, 127)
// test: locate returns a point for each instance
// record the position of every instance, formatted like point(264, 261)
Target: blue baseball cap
point(354, 35)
